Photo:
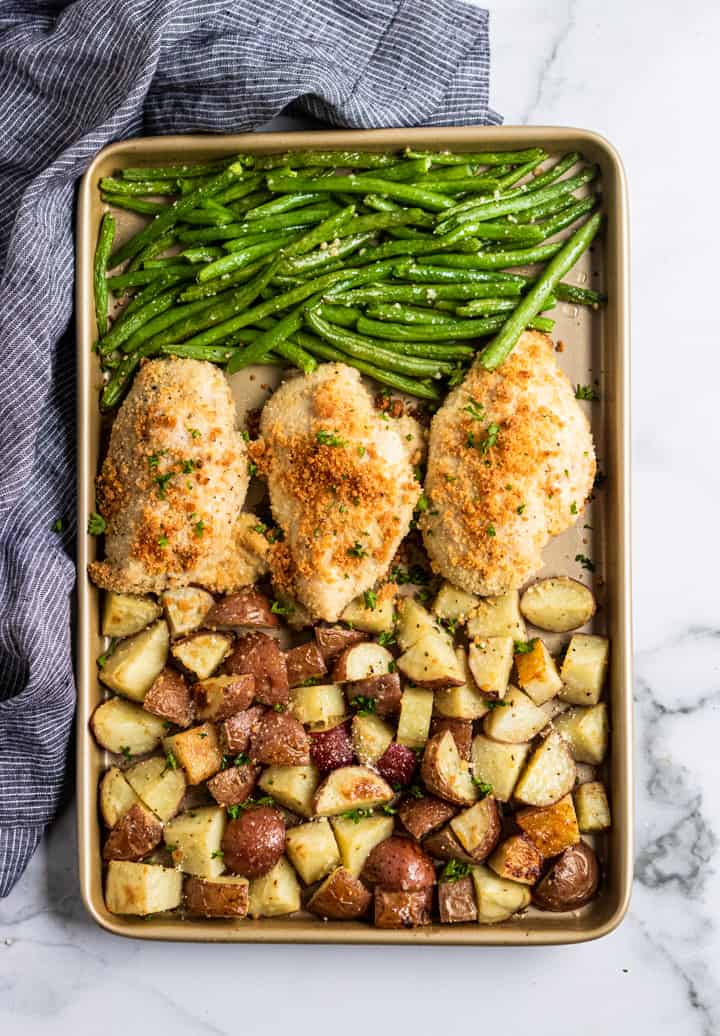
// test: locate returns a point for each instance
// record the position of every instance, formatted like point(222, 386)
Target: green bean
point(163, 262)
point(322, 257)
point(572, 293)
point(487, 307)
point(566, 217)
point(119, 381)
point(162, 322)
point(202, 253)
point(103, 248)
point(453, 172)
point(202, 218)
point(388, 249)
point(427, 293)
point(442, 332)
point(470, 184)
point(223, 284)
point(241, 190)
point(366, 275)
point(498, 232)
point(150, 291)
point(345, 316)
point(497, 260)
point(145, 208)
point(130, 280)
point(512, 177)
point(407, 169)
point(406, 314)
point(353, 184)
point(286, 203)
point(479, 157)
point(553, 173)
point(150, 251)
point(235, 260)
point(296, 355)
point(324, 231)
point(173, 172)
point(250, 201)
point(428, 350)
point(121, 331)
point(162, 223)
point(211, 353)
point(267, 341)
point(504, 342)
point(423, 219)
point(113, 186)
point(281, 237)
point(547, 208)
point(332, 159)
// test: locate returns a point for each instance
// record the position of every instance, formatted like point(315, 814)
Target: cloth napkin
point(73, 78)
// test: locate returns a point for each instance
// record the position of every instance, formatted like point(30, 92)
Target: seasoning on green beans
point(102, 254)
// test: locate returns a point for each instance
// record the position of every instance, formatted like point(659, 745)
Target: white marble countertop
point(643, 75)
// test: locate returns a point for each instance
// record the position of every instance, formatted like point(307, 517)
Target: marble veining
point(642, 75)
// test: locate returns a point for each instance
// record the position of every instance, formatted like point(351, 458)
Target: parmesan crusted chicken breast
point(341, 483)
point(511, 463)
point(172, 486)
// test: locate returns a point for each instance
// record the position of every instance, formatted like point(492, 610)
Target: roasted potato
point(370, 737)
point(341, 897)
point(356, 838)
point(332, 640)
point(280, 740)
point(351, 787)
point(234, 785)
point(456, 900)
point(453, 604)
point(478, 829)
point(398, 863)
point(247, 607)
point(443, 845)
point(558, 604)
point(416, 706)
point(134, 836)
point(134, 664)
point(397, 764)
point(395, 909)
point(200, 654)
point(197, 750)
point(497, 898)
point(275, 893)
point(593, 809)
point(185, 609)
point(312, 850)
point(464, 701)
point(384, 690)
point(331, 749)
point(159, 785)
point(431, 662)
point(518, 720)
point(490, 660)
point(304, 662)
point(320, 707)
point(586, 732)
point(169, 698)
point(372, 614)
point(414, 623)
point(292, 786)
point(548, 775)
point(583, 669)
point(497, 617)
point(444, 773)
point(141, 888)
point(517, 859)
point(498, 765)
point(194, 840)
point(260, 655)
point(537, 672)
point(461, 730)
point(571, 882)
point(236, 732)
point(254, 843)
point(225, 896)
point(361, 661)
point(122, 727)
point(220, 697)
point(551, 829)
point(420, 817)
point(125, 614)
point(116, 796)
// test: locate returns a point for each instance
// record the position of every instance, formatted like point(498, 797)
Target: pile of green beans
point(406, 265)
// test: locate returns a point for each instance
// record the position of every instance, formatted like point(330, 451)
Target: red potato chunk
point(169, 698)
point(134, 836)
point(420, 817)
point(399, 864)
point(396, 909)
point(236, 732)
point(456, 901)
point(397, 764)
point(331, 749)
point(234, 785)
point(254, 843)
point(280, 740)
point(260, 655)
point(332, 640)
point(385, 690)
point(341, 897)
point(461, 730)
point(220, 697)
point(248, 607)
point(304, 662)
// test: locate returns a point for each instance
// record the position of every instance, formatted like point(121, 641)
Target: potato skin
point(280, 740)
point(571, 882)
point(399, 864)
point(420, 817)
point(248, 607)
point(396, 909)
point(234, 785)
point(207, 898)
point(341, 897)
point(134, 836)
point(517, 859)
point(237, 730)
point(456, 901)
point(169, 698)
point(331, 749)
point(461, 730)
point(219, 698)
point(254, 842)
point(397, 764)
point(443, 845)
point(260, 655)
point(332, 640)
point(385, 690)
point(304, 662)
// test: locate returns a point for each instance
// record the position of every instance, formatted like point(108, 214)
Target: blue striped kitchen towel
point(74, 77)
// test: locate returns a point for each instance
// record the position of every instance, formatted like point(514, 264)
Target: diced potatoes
point(275, 893)
point(141, 888)
point(362, 661)
point(465, 701)
point(537, 673)
point(498, 764)
point(186, 608)
point(370, 737)
point(552, 829)
point(583, 669)
point(159, 786)
point(124, 728)
point(197, 750)
point(356, 839)
point(558, 604)
point(116, 796)
point(320, 706)
point(497, 617)
point(517, 720)
point(372, 614)
point(348, 788)
point(125, 614)
point(135, 663)
point(415, 622)
point(416, 707)
point(313, 850)
point(202, 653)
point(194, 839)
point(490, 660)
point(292, 786)
point(593, 808)
point(586, 731)
point(453, 604)
point(548, 775)
point(497, 898)
point(431, 661)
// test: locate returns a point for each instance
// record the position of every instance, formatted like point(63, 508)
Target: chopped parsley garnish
point(356, 815)
point(491, 530)
point(277, 608)
point(171, 762)
point(483, 788)
point(454, 870)
point(252, 468)
point(415, 574)
point(233, 812)
point(126, 752)
point(573, 508)
point(415, 791)
point(392, 668)
point(520, 509)
point(246, 435)
point(162, 483)
point(239, 760)
point(364, 705)
point(370, 599)
point(524, 647)
point(475, 409)
point(153, 460)
point(194, 433)
point(357, 550)
point(188, 466)
point(422, 504)
point(96, 524)
point(388, 810)
point(311, 681)
point(330, 439)
point(361, 451)
point(278, 707)
point(450, 625)
point(261, 527)
point(585, 392)
point(495, 703)
point(493, 430)
point(217, 854)
point(102, 659)
point(199, 528)
point(58, 525)
point(162, 541)
point(386, 638)
point(585, 562)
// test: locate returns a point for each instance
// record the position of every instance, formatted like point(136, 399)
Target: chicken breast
point(341, 483)
point(173, 484)
point(511, 463)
